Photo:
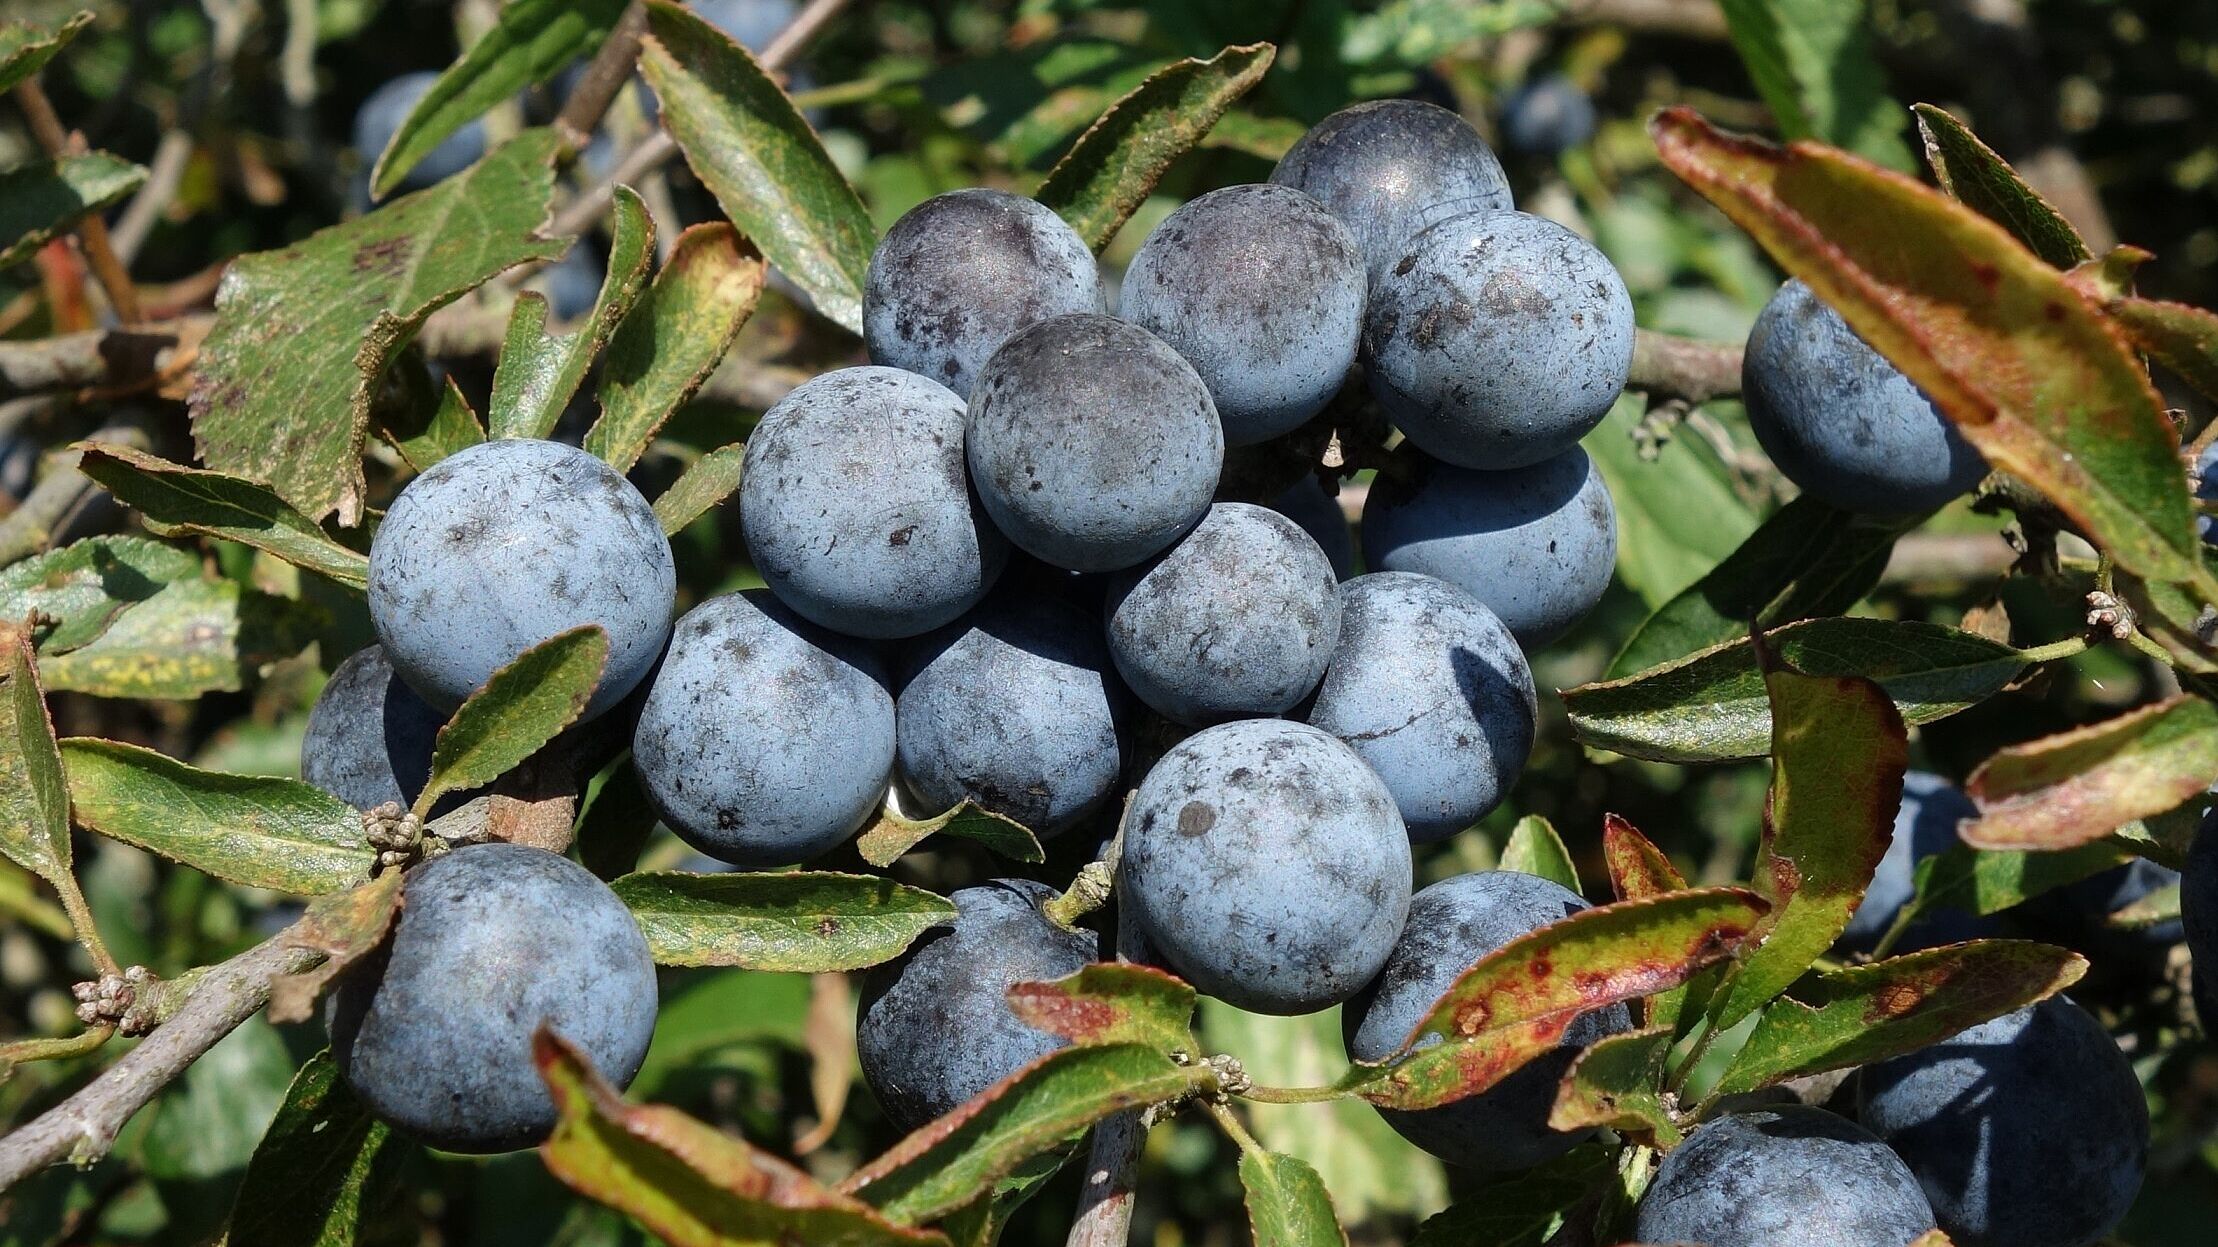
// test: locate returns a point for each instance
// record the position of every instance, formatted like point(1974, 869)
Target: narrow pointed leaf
point(521, 707)
point(175, 499)
point(323, 1169)
point(670, 343)
point(345, 927)
point(1839, 1019)
point(1985, 881)
point(40, 201)
point(1839, 750)
point(756, 153)
point(1638, 869)
point(81, 587)
point(193, 636)
point(1112, 1003)
point(1047, 1104)
point(439, 428)
point(1520, 1210)
point(2182, 338)
point(1516, 1003)
point(1534, 848)
point(1287, 1203)
point(799, 921)
point(34, 796)
point(712, 478)
point(1985, 183)
point(26, 47)
point(532, 41)
point(279, 834)
point(539, 372)
point(1618, 1082)
point(687, 1182)
point(1110, 170)
point(310, 328)
point(2078, 786)
point(2032, 374)
point(1712, 705)
point(883, 842)
point(1813, 64)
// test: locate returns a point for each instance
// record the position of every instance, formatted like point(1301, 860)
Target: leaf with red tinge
point(1638, 869)
point(2182, 338)
point(2078, 786)
point(1981, 180)
point(1618, 1082)
point(1933, 1238)
point(2030, 372)
point(948, 1163)
point(687, 1182)
point(345, 927)
point(1843, 1018)
point(1516, 1002)
point(1112, 1003)
point(1838, 753)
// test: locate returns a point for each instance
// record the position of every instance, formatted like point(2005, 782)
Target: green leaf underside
point(279, 834)
point(1839, 750)
point(1112, 1003)
point(1617, 1082)
point(1520, 1210)
point(1047, 1104)
point(1534, 848)
point(41, 200)
point(311, 327)
point(712, 478)
point(532, 41)
point(34, 797)
point(176, 499)
point(1982, 181)
point(1678, 516)
point(798, 921)
point(81, 587)
point(521, 707)
point(190, 637)
point(323, 1168)
point(670, 343)
point(25, 48)
point(1843, 1018)
point(1712, 706)
point(885, 841)
point(539, 372)
point(756, 153)
point(1813, 64)
point(2078, 786)
point(1287, 1203)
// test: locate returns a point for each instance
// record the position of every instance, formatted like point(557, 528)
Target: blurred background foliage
point(247, 104)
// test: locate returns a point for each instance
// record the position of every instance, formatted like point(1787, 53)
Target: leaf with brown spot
point(345, 927)
point(1113, 1003)
point(1618, 1082)
point(1515, 1003)
point(195, 635)
point(794, 921)
point(2182, 338)
point(687, 1182)
point(2079, 786)
point(894, 833)
point(1638, 869)
point(2029, 371)
point(1839, 1019)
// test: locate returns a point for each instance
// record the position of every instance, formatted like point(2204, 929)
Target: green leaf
point(2152, 909)
point(883, 842)
point(192, 637)
point(688, 1183)
point(1713, 705)
point(1618, 1082)
point(174, 499)
point(2031, 374)
point(303, 334)
point(1808, 560)
point(2066, 790)
point(712, 478)
point(1838, 753)
point(1534, 848)
point(1839, 1019)
point(616, 823)
point(1812, 62)
point(25, 48)
point(1110, 170)
point(34, 797)
point(980, 1223)
point(1517, 1001)
point(1288, 1205)
point(531, 42)
point(1415, 33)
point(1984, 182)
point(262, 832)
point(1112, 1003)
point(1677, 514)
point(754, 151)
point(84, 585)
point(521, 707)
point(345, 927)
point(437, 429)
point(948, 1163)
point(2182, 338)
point(673, 340)
point(324, 1168)
point(797, 921)
point(539, 372)
point(1981, 882)
point(1520, 1210)
point(40, 201)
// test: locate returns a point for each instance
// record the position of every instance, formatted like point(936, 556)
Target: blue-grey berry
point(1389, 168)
point(1453, 925)
point(765, 740)
point(1235, 621)
point(1925, 826)
point(1536, 545)
point(1784, 1176)
point(1261, 290)
point(501, 546)
point(1548, 116)
point(1306, 503)
point(857, 507)
point(493, 942)
point(1840, 421)
point(369, 737)
point(1092, 443)
point(2198, 907)
point(2206, 490)
point(1013, 707)
point(380, 117)
point(2029, 1130)
point(2087, 905)
point(934, 1027)
point(1430, 689)
point(960, 273)
point(1498, 339)
point(1266, 864)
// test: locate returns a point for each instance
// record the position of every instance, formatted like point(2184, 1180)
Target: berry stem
point(1296, 1095)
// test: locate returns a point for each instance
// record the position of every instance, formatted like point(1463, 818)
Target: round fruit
point(369, 736)
point(2198, 906)
point(1788, 1176)
point(1548, 116)
point(1389, 168)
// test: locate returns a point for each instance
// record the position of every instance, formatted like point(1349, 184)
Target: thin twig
point(1112, 1177)
point(604, 76)
point(1667, 366)
point(164, 174)
point(92, 232)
